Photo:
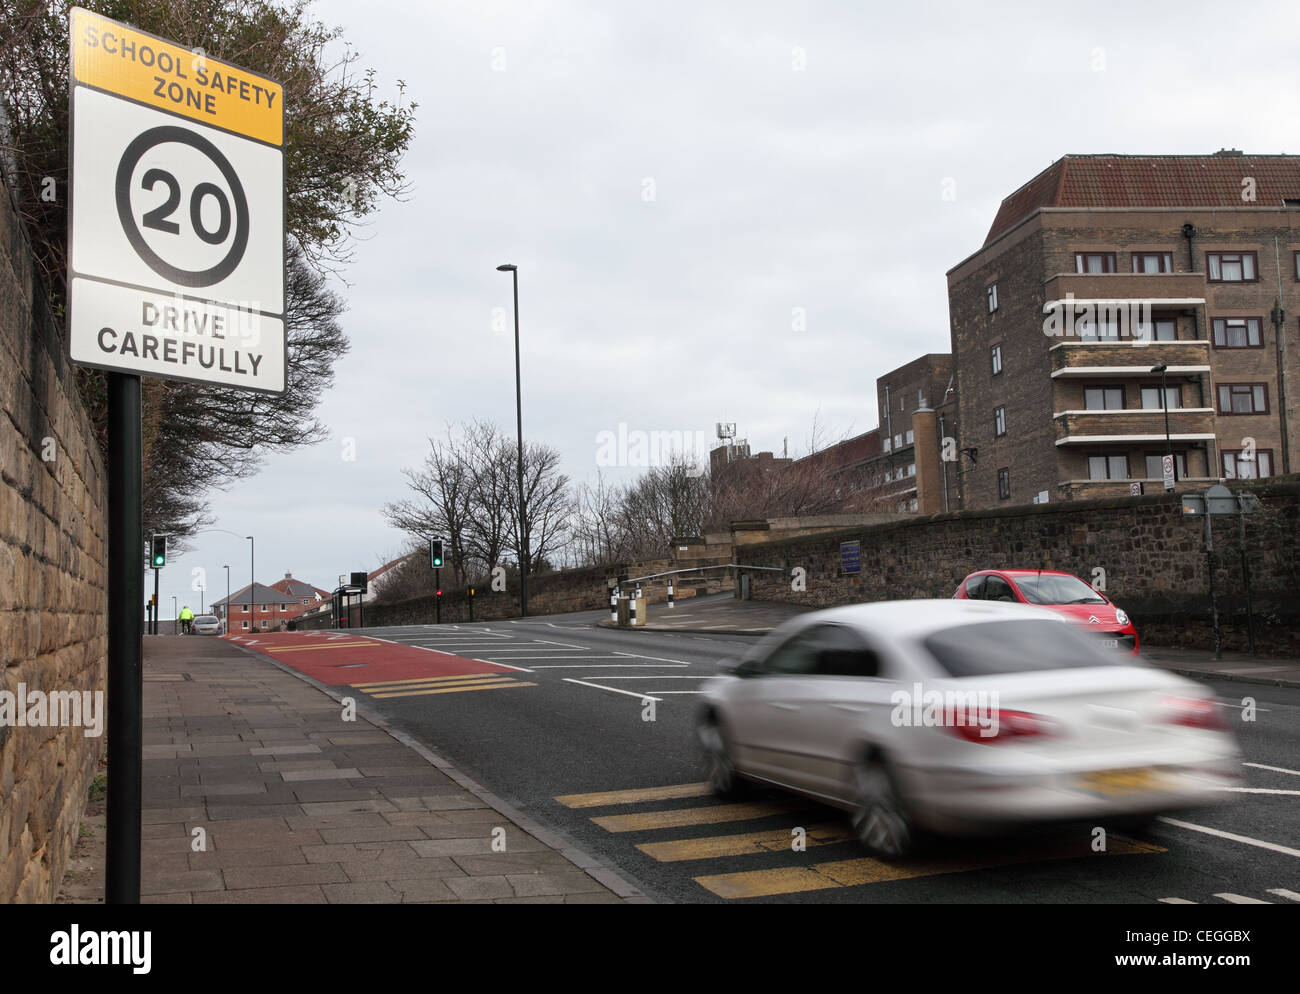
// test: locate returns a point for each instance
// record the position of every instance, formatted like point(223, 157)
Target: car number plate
point(1110, 643)
point(1114, 782)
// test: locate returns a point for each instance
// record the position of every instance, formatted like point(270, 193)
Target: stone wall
point(53, 563)
point(1152, 555)
point(560, 592)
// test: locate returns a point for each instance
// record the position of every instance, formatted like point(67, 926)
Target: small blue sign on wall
point(850, 558)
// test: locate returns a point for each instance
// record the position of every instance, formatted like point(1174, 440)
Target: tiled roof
point(1152, 181)
point(297, 589)
point(262, 595)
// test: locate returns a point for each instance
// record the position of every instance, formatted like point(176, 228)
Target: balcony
point(1162, 289)
point(1133, 426)
point(1093, 489)
point(1128, 357)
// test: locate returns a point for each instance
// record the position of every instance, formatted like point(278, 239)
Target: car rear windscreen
point(1020, 646)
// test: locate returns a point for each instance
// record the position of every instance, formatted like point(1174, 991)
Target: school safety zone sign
point(176, 261)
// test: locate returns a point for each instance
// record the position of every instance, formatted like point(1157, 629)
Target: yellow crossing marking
point(312, 648)
point(742, 845)
point(634, 796)
point(431, 680)
point(855, 872)
point(692, 816)
point(459, 688)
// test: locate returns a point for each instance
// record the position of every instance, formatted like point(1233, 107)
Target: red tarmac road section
point(339, 658)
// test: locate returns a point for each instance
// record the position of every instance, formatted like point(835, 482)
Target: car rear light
point(1194, 712)
point(1008, 725)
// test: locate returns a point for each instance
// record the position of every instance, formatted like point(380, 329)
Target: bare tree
point(548, 501)
point(444, 501)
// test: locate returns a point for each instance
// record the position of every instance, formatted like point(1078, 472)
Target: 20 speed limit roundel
point(203, 217)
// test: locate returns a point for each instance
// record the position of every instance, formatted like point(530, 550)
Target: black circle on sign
point(126, 168)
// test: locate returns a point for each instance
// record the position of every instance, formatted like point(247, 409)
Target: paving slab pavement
point(257, 791)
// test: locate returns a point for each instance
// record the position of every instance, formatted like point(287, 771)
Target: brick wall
point(1153, 557)
point(53, 563)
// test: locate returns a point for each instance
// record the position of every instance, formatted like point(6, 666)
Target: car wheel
point(719, 771)
point(880, 820)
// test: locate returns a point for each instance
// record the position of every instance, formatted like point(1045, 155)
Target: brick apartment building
point(269, 605)
point(1101, 269)
point(896, 467)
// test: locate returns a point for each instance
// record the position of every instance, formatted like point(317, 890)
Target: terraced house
point(1123, 308)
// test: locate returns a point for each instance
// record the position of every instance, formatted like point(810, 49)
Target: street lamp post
point(519, 416)
point(252, 582)
point(225, 614)
point(1163, 370)
point(175, 616)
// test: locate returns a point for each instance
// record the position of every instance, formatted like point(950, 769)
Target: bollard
point(632, 609)
point(613, 605)
point(670, 593)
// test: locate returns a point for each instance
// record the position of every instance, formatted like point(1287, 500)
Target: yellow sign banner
point(119, 59)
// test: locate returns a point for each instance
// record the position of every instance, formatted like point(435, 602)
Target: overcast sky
point(673, 181)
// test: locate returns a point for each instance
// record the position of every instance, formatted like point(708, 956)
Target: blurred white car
point(958, 715)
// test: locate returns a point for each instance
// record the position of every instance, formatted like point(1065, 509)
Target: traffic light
point(159, 557)
point(440, 593)
point(435, 553)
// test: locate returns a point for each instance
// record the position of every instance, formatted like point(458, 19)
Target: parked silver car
point(207, 624)
point(958, 715)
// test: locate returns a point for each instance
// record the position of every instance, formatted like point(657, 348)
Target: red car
point(1063, 593)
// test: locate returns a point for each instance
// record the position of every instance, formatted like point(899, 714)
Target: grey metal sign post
point(1220, 500)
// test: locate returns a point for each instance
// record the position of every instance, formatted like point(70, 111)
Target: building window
point(889, 476)
point(993, 297)
point(909, 437)
point(1004, 484)
point(1108, 467)
point(243, 624)
point(911, 469)
point(913, 505)
point(997, 359)
point(1151, 398)
point(898, 440)
point(1103, 398)
point(1166, 330)
point(1000, 421)
point(1156, 465)
point(1243, 398)
point(1237, 465)
point(284, 607)
point(1153, 262)
point(1297, 265)
point(1231, 267)
point(1237, 333)
point(1094, 262)
point(888, 444)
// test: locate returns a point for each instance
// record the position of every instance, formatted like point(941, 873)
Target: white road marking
point(1285, 850)
point(679, 692)
point(703, 676)
point(563, 645)
point(596, 666)
point(1236, 706)
point(612, 690)
point(1175, 900)
point(1290, 895)
point(1238, 899)
point(506, 665)
point(1260, 790)
point(638, 655)
point(1275, 769)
